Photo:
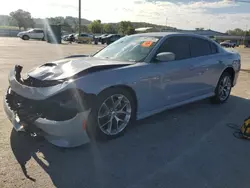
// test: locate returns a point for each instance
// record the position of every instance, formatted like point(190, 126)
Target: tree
point(109, 28)
point(59, 20)
point(238, 32)
point(23, 18)
point(67, 27)
point(73, 22)
point(130, 30)
point(126, 28)
point(84, 28)
point(95, 26)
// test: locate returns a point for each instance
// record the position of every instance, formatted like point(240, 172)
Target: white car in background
point(228, 44)
point(32, 34)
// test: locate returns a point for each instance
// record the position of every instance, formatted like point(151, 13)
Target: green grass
point(8, 27)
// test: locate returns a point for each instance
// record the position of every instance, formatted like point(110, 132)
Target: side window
point(38, 31)
point(199, 47)
point(178, 45)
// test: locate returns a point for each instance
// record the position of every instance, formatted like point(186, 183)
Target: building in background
point(215, 35)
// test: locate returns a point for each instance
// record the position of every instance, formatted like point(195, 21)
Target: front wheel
point(223, 89)
point(113, 112)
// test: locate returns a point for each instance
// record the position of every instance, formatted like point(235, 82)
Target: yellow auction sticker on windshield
point(147, 44)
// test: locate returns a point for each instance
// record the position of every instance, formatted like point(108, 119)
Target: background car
point(79, 98)
point(228, 44)
point(110, 38)
point(64, 37)
point(32, 34)
point(84, 38)
point(70, 37)
point(99, 38)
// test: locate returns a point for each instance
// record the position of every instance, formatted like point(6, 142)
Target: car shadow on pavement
point(245, 70)
point(148, 146)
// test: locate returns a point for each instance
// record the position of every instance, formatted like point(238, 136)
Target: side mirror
point(165, 56)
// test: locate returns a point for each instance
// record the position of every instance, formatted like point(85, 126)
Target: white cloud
point(180, 15)
point(207, 4)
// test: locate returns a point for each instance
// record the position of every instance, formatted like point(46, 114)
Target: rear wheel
point(113, 112)
point(223, 89)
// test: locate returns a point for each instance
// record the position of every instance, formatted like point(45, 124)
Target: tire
point(223, 90)
point(25, 37)
point(102, 124)
point(103, 41)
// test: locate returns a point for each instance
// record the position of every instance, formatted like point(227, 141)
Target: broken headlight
point(72, 99)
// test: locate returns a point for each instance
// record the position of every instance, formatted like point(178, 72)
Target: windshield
point(129, 48)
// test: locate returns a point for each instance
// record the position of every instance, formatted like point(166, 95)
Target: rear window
point(38, 31)
point(84, 35)
point(214, 48)
point(200, 47)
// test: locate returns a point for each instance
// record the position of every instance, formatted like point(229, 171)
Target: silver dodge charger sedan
point(79, 98)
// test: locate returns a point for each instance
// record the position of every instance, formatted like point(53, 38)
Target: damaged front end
point(48, 108)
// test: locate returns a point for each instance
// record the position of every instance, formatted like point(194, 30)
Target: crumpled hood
point(66, 68)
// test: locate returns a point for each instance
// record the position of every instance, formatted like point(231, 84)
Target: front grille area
point(29, 110)
point(33, 82)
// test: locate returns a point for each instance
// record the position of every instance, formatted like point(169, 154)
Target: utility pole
point(80, 19)
point(245, 36)
point(166, 23)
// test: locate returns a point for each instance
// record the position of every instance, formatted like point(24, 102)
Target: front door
point(179, 78)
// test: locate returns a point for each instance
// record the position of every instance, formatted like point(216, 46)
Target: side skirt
point(191, 100)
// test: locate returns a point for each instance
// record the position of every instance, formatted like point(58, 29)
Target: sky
point(220, 15)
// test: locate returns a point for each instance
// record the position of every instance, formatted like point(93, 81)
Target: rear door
point(205, 58)
point(38, 34)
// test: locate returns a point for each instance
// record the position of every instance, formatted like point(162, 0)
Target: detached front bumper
point(57, 124)
point(68, 133)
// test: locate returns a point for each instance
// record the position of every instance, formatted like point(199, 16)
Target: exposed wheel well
point(129, 89)
point(230, 70)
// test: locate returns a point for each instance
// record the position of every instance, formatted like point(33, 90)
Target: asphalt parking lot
point(190, 146)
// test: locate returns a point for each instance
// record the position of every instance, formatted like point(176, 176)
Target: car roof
point(164, 34)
